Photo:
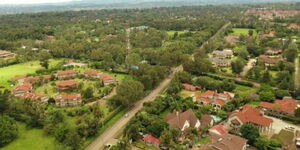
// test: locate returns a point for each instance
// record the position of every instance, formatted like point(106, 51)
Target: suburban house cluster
point(217, 100)
point(222, 58)
point(65, 83)
point(268, 14)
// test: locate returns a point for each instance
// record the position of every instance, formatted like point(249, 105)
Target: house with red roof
point(67, 85)
point(250, 114)
point(190, 87)
point(32, 80)
point(67, 74)
point(280, 108)
point(41, 98)
point(22, 89)
point(20, 79)
point(92, 74)
point(51, 37)
point(46, 78)
point(151, 140)
point(269, 61)
point(68, 100)
point(108, 79)
point(217, 100)
point(183, 121)
point(218, 129)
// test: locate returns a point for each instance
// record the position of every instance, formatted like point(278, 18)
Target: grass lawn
point(204, 141)
point(286, 138)
point(172, 32)
point(186, 93)
point(31, 139)
point(140, 144)
point(10, 72)
point(244, 90)
point(242, 31)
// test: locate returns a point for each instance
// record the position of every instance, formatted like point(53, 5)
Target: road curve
point(110, 135)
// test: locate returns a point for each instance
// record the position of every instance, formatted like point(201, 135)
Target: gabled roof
point(67, 83)
point(220, 129)
point(106, 77)
point(151, 139)
point(91, 72)
point(66, 72)
point(24, 87)
point(269, 60)
point(287, 105)
point(177, 120)
point(205, 120)
point(189, 86)
point(254, 115)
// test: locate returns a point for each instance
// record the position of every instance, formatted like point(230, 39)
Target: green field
point(10, 72)
point(31, 139)
point(242, 31)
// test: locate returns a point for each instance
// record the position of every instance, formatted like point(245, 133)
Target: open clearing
point(10, 72)
point(243, 31)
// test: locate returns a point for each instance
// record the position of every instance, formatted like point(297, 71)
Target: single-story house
point(190, 87)
point(92, 73)
point(151, 140)
point(68, 100)
point(42, 98)
point(217, 100)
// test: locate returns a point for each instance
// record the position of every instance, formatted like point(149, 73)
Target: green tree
point(237, 66)
point(4, 96)
point(250, 132)
point(88, 93)
point(297, 112)
point(291, 54)
point(73, 140)
point(44, 57)
point(8, 130)
point(267, 96)
point(262, 143)
point(129, 91)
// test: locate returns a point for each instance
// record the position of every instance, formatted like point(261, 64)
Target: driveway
point(248, 67)
point(278, 125)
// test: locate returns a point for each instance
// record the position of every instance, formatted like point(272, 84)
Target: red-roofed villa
point(284, 107)
point(150, 140)
point(217, 100)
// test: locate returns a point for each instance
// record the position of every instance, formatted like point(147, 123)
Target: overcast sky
point(30, 1)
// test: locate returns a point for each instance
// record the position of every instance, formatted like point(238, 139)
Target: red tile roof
point(51, 37)
point(70, 96)
point(269, 60)
point(189, 86)
point(32, 96)
point(287, 105)
point(91, 72)
point(221, 129)
point(151, 139)
point(220, 102)
point(106, 77)
point(252, 115)
point(20, 77)
point(66, 72)
point(67, 83)
point(24, 87)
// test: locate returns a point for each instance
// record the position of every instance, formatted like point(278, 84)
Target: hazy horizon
point(8, 2)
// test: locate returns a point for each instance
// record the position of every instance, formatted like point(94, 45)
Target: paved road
point(297, 73)
point(248, 67)
point(110, 135)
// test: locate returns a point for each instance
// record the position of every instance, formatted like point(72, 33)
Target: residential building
point(92, 73)
point(108, 79)
point(68, 100)
point(151, 140)
point(67, 85)
point(32, 80)
point(224, 54)
point(22, 89)
point(190, 87)
point(67, 74)
point(226, 142)
point(42, 98)
point(269, 61)
point(250, 114)
point(218, 130)
point(284, 107)
point(5, 54)
point(232, 39)
point(217, 100)
point(20, 79)
point(218, 62)
point(274, 51)
point(183, 121)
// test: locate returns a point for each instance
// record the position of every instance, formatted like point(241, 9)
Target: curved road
point(110, 135)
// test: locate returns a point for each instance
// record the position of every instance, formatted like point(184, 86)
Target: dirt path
point(248, 67)
point(297, 73)
point(111, 94)
point(110, 135)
